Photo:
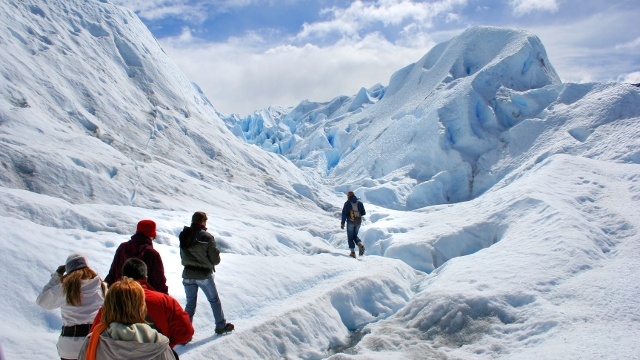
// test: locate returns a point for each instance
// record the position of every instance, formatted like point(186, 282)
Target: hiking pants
point(352, 235)
point(209, 288)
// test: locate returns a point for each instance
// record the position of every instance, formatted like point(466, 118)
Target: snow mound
point(564, 261)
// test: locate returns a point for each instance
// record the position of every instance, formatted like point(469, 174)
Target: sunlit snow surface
point(522, 241)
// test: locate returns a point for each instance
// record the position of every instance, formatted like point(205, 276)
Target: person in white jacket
point(79, 294)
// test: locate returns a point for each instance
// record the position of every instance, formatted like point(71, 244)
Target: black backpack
point(186, 237)
point(356, 216)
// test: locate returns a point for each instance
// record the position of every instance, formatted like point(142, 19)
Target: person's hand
point(341, 226)
point(60, 270)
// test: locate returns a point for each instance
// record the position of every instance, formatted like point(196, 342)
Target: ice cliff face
point(282, 131)
point(448, 111)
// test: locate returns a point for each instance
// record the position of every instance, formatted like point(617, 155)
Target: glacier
point(502, 203)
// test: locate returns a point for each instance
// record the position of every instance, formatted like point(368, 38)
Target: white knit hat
point(75, 262)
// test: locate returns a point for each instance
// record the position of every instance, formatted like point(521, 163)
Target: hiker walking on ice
point(140, 247)
point(200, 255)
point(79, 294)
point(352, 213)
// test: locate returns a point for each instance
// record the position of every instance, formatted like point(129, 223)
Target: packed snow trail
point(265, 296)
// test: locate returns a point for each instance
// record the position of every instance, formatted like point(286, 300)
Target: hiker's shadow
point(340, 255)
point(195, 344)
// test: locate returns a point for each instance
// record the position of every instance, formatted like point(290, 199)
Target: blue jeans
point(352, 235)
point(209, 288)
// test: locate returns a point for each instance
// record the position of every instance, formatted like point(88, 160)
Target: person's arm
point(362, 212)
point(212, 251)
point(345, 213)
point(180, 328)
point(113, 271)
point(51, 296)
point(156, 275)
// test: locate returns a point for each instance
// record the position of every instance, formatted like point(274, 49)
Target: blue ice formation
point(278, 129)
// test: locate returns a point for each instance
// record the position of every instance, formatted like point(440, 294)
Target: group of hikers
point(135, 318)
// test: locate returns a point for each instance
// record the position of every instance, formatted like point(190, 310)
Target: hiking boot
point(353, 254)
point(223, 330)
point(361, 247)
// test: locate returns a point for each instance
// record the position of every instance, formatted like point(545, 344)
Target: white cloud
point(348, 21)
point(159, 9)
point(243, 74)
point(194, 11)
point(523, 7)
point(247, 73)
point(584, 50)
point(451, 17)
point(631, 78)
point(630, 45)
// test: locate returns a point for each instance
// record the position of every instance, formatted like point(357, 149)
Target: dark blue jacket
point(347, 208)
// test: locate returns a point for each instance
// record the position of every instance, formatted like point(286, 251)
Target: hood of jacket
point(353, 199)
point(138, 246)
point(135, 342)
point(92, 299)
point(89, 287)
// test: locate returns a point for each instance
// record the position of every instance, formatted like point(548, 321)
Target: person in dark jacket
point(352, 213)
point(140, 247)
point(164, 313)
point(200, 255)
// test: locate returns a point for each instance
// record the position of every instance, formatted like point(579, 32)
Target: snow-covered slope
point(99, 129)
point(90, 98)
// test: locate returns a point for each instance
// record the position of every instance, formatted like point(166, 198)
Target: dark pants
point(352, 235)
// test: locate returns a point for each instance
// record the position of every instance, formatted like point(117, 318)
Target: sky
point(249, 54)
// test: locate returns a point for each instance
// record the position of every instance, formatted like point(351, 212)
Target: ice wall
point(419, 145)
point(299, 131)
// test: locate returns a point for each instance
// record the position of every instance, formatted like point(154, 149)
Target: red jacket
point(167, 315)
point(139, 247)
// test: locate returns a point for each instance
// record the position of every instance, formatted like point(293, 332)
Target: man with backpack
point(200, 255)
point(352, 213)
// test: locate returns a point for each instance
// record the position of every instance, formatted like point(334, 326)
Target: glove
point(341, 226)
point(60, 270)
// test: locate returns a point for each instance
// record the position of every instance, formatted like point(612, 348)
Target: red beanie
point(147, 227)
point(350, 194)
